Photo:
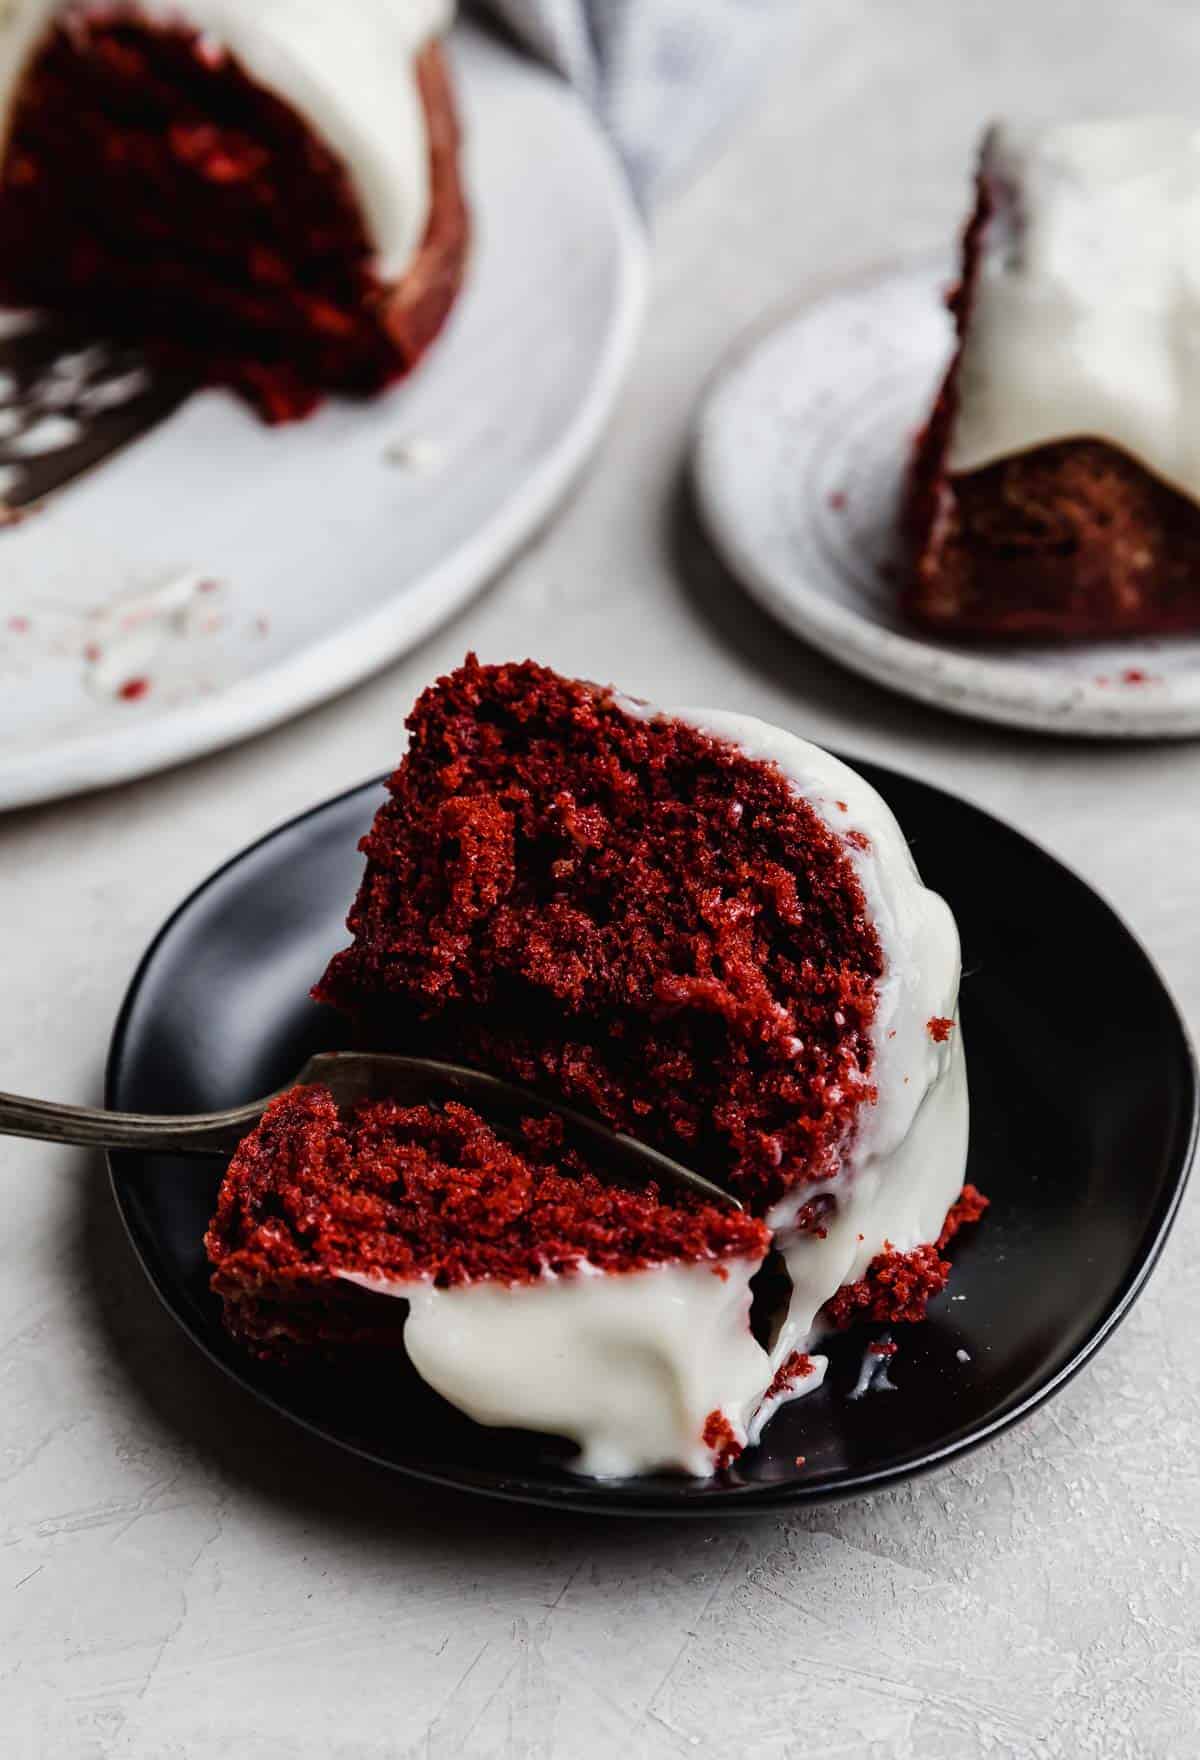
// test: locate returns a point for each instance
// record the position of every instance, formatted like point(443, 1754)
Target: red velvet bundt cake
point(264, 193)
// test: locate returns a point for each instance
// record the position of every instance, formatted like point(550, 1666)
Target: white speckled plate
point(218, 576)
point(801, 449)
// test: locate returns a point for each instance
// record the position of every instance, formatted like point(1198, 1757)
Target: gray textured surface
point(181, 1576)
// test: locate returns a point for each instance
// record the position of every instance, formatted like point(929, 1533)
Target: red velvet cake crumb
point(897, 1286)
point(718, 1435)
point(559, 891)
point(900, 1286)
point(796, 1367)
point(812, 1217)
point(968, 1207)
point(940, 1028)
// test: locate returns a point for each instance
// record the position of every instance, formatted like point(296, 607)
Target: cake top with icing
point(1085, 316)
point(347, 69)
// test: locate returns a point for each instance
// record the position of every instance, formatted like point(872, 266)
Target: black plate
point(1083, 1094)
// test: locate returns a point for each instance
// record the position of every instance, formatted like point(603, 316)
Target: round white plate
point(219, 575)
point(801, 450)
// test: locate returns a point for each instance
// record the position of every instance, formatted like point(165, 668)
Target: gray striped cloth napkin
point(664, 76)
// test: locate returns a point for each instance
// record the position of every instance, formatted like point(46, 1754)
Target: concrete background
point(181, 1575)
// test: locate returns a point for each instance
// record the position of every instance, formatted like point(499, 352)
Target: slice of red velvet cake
point(538, 1293)
point(266, 197)
point(697, 927)
point(1056, 488)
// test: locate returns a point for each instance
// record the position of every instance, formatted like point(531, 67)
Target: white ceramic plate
point(801, 449)
point(219, 576)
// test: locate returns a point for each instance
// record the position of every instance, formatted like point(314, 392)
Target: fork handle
point(88, 1127)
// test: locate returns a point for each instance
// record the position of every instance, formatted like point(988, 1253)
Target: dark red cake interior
point(621, 910)
point(900, 1286)
point(413, 1192)
point(155, 192)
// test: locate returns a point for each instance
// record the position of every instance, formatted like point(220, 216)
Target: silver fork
point(351, 1076)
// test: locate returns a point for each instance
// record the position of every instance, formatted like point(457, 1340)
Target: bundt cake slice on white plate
point(265, 194)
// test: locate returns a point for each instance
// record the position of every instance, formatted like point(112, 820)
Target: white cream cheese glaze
point(347, 68)
point(629, 1364)
point(903, 1166)
point(1086, 315)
